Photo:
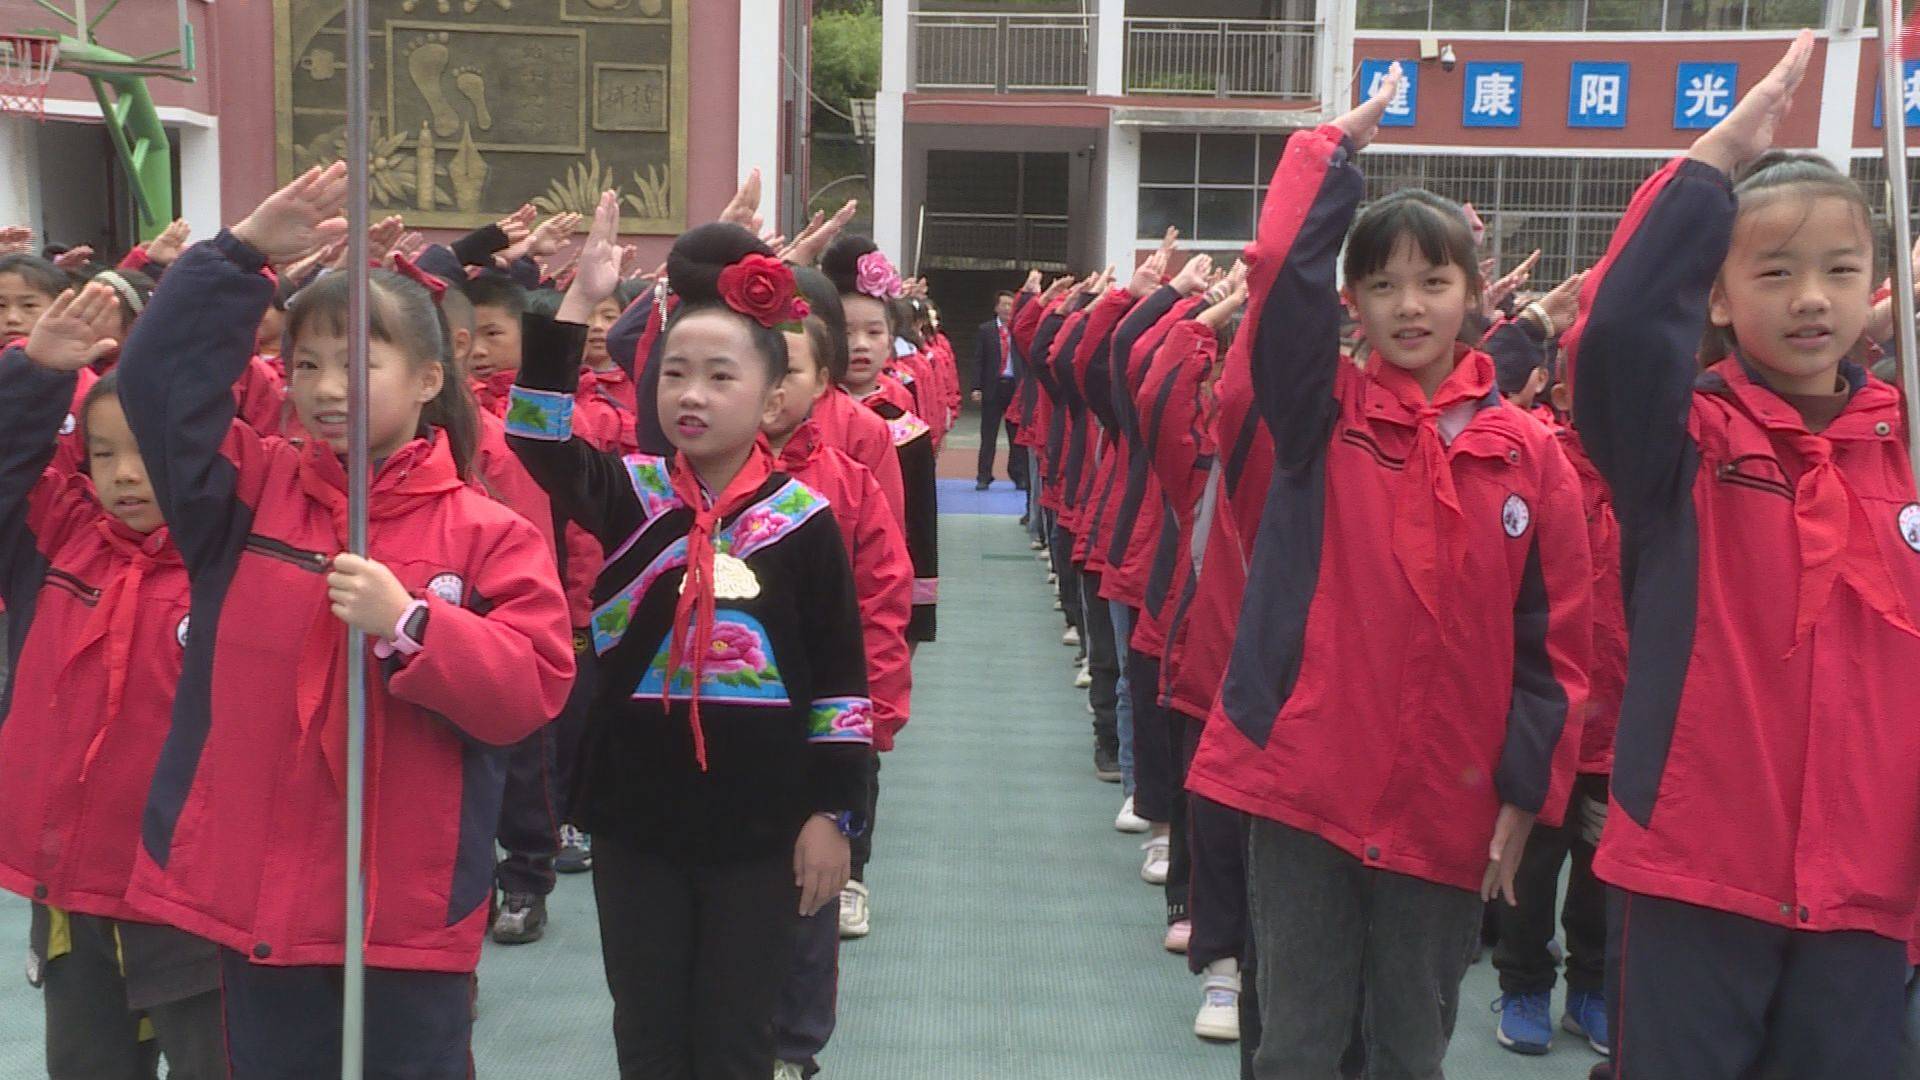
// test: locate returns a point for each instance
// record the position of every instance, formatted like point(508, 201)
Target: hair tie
point(410, 270)
point(128, 294)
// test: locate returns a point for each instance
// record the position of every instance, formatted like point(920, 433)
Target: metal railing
point(1222, 57)
point(995, 241)
point(1000, 53)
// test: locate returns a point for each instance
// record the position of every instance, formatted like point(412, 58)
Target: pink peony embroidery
point(734, 649)
point(855, 718)
point(876, 277)
point(758, 525)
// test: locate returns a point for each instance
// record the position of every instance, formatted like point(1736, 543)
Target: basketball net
point(26, 66)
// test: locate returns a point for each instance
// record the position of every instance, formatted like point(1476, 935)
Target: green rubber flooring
point(1012, 936)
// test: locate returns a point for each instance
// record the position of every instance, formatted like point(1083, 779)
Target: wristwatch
point(409, 632)
point(850, 823)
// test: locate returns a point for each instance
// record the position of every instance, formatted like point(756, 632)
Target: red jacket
point(1764, 764)
point(1607, 677)
point(1059, 405)
point(1415, 631)
point(242, 839)
point(1176, 440)
point(98, 616)
point(613, 389)
point(1137, 507)
point(859, 433)
point(882, 571)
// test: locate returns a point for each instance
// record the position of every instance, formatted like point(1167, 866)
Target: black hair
point(142, 287)
point(629, 290)
point(824, 301)
point(693, 271)
point(1776, 174)
point(107, 386)
point(544, 303)
point(39, 274)
point(906, 324)
point(1004, 294)
point(401, 313)
point(496, 290)
point(820, 338)
point(1437, 225)
point(841, 261)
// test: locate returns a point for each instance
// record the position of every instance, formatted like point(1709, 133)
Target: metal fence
point(1222, 57)
point(1000, 53)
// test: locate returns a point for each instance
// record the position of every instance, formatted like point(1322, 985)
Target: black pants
point(1699, 994)
point(1067, 576)
point(1525, 965)
point(994, 401)
point(693, 956)
point(530, 816)
point(861, 847)
point(804, 1018)
point(1096, 633)
point(96, 998)
point(283, 1023)
point(570, 728)
point(1217, 900)
point(1157, 782)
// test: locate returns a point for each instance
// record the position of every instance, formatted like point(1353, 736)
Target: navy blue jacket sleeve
point(1137, 322)
point(440, 261)
point(177, 372)
point(1292, 321)
point(477, 247)
point(32, 408)
point(1643, 313)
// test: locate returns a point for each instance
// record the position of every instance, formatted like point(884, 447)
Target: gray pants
point(1325, 925)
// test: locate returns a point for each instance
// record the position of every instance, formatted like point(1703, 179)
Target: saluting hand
point(74, 331)
point(597, 270)
point(1362, 123)
point(304, 215)
point(366, 595)
point(1748, 130)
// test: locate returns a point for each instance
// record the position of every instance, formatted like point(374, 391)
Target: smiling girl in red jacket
point(243, 837)
point(98, 600)
point(1764, 830)
point(1414, 637)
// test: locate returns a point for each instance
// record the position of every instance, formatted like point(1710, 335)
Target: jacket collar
point(1872, 411)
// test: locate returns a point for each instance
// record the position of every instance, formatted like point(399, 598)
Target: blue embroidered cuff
point(540, 414)
point(841, 720)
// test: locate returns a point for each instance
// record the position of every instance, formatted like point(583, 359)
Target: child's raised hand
point(1033, 281)
point(75, 331)
point(15, 239)
point(366, 595)
point(1193, 276)
point(382, 235)
point(1362, 123)
point(1505, 286)
point(551, 235)
point(74, 259)
point(814, 239)
point(409, 245)
point(744, 209)
point(1747, 132)
point(1146, 277)
point(1562, 304)
point(304, 215)
point(1231, 300)
point(166, 247)
point(597, 272)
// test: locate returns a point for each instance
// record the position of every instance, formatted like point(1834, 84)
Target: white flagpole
point(353, 1017)
point(1893, 109)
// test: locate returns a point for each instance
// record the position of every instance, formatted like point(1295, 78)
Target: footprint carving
point(426, 64)
point(473, 87)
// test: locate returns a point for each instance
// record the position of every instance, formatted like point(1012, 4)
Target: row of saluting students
point(1389, 622)
point(695, 524)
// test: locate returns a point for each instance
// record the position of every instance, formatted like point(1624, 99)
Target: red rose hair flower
point(762, 288)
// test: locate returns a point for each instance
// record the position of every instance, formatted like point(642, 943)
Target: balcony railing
point(995, 241)
point(1222, 57)
point(1001, 53)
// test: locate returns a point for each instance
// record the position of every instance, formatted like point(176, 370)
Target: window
point(1539, 16)
point(1565, 206)
point(1209, 186)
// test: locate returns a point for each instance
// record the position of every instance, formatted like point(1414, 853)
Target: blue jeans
point(1123, 710)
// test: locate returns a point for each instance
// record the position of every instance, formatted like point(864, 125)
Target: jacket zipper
point(313, 561)
point(1730, 472)
point(74, 585)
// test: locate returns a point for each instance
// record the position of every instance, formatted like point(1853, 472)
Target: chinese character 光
point(1493, 94)
point(1600, 94)
point(1708, 95)
point(1398, 106)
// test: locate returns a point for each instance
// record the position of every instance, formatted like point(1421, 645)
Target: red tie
point(1006, 353)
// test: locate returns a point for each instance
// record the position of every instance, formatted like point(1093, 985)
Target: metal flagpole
point(1893, 97)
point(353, 1017)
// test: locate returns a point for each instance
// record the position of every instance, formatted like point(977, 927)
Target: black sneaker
point(982, 485)
point(1106, 765)
point(576, 852)
point(522, 919)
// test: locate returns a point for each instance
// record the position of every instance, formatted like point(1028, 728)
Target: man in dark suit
point(997, 367)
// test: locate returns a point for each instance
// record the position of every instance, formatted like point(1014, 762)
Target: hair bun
point(841, 262)
point(698, 256)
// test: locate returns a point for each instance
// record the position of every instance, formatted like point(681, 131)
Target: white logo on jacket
point(1910, 525)
point(449, 587)
point(1515, 516)
point(180, 632)
point(68, 425)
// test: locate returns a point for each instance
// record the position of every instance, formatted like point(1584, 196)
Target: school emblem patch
point(449, 587)
point(1910, 525)
point(180, 632)
point(68, 425)
point(1515, 516)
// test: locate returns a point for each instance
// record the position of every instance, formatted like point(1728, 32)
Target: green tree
point(846, 57)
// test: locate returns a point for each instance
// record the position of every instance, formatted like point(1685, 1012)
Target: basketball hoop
point(26, 66)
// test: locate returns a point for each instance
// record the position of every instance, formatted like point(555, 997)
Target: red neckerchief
point(689, 643)
point(116, 616)
point(1428, 532)
point(1835, 534)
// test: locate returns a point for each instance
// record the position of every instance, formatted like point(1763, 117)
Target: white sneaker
point(1084, 679)
point(1219, 1016)
point(787, 1070)
point(1071, 637)
point(1037, 545)
point(1053, 578)
point(1179, 936)
point(855, 911)
point(1154, 870)
point(1128, 821)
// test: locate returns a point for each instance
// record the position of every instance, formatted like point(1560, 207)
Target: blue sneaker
point(1526, 1022)
point(1587, 1016)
